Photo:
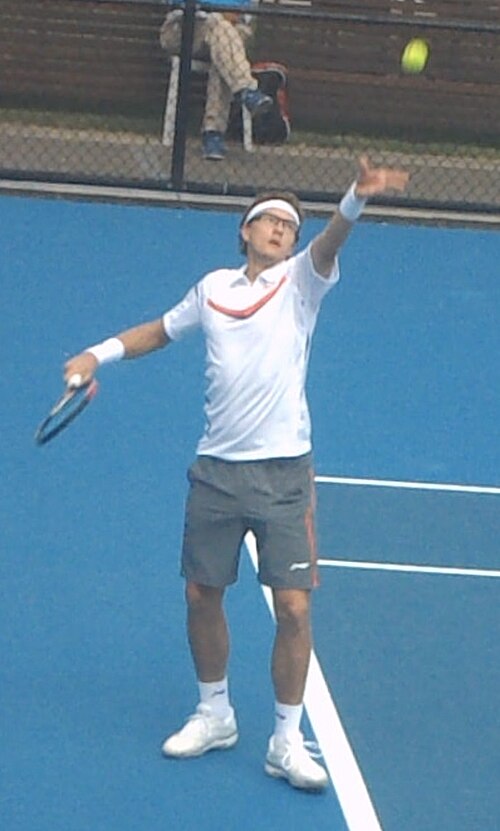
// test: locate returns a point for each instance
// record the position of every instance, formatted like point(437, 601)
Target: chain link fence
point(89, 96)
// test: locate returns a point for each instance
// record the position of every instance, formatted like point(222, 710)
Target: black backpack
point(273, 127)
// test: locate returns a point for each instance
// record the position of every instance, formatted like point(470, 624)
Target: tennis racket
point(75, 399)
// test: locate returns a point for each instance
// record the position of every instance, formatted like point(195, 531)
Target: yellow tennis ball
point(414, 57)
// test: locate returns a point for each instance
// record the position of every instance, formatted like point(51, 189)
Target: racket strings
point(65, 410)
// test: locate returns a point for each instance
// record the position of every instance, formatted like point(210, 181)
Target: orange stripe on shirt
point(250, 310)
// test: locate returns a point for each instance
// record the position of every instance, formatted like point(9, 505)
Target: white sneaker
point(202, 731)
point(290, 759)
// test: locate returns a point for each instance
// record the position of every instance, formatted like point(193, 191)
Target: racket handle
point(75, 381)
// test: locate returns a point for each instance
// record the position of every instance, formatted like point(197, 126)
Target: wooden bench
point(81, 55)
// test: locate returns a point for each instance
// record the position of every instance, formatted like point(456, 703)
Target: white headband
point(280, 204)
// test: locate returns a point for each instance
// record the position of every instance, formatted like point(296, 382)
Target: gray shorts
point(273, 498)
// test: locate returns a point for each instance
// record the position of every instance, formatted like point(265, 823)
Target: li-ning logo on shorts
point(299, 566)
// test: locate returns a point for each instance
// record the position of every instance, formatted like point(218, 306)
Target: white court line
point(416, 569)
point(412, 569)
point(424, 486)
point(340, 761)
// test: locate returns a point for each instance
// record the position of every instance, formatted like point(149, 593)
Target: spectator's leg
point(230, 74)
point(218, 102)
point(228, 54)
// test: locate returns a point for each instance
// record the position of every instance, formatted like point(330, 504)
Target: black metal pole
point(181, 115)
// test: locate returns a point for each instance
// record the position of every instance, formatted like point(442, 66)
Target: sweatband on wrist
point(109, 350)
point(351, 206)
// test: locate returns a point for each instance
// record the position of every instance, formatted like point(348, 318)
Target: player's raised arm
point(370, 181)
point(129, 344)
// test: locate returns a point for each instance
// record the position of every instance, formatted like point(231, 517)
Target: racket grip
point(75, 381)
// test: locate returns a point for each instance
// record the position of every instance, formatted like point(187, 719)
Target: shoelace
point(313, 749)
point(301, 748)
point(200, 714)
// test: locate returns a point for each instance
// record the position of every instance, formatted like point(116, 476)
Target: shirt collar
point(269, 277)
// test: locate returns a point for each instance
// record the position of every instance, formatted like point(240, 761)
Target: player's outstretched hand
point(373, 180)
point(83, 365)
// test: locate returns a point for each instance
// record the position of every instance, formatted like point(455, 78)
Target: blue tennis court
point(95, 672)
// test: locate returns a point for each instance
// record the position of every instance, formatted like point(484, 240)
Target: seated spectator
point(219, 39)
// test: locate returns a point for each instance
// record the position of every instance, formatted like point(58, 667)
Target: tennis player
point(253, 468)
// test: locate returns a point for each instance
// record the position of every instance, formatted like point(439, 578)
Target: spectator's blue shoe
point(255, 101)
point(213, 145)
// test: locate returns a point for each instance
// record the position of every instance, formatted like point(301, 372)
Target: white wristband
point(351, 206)
point(109, 350)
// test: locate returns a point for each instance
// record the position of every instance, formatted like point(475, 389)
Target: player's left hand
point(374, 180)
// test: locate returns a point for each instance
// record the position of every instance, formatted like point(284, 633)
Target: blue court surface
point(405, 398)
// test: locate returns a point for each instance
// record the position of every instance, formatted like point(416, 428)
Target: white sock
point(287, 719)
point(216, 695)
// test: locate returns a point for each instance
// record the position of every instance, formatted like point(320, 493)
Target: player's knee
point(201, 598)
point(292, 609)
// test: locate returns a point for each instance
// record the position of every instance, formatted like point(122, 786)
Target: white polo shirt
point(258, 338)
